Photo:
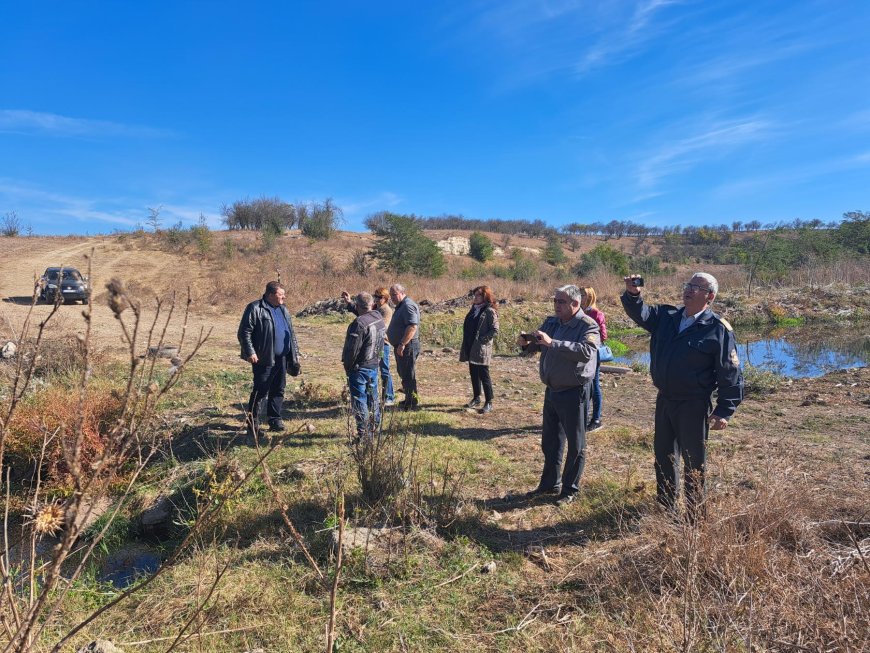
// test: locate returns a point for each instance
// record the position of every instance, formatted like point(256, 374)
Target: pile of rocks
point(324, 307)
point(338, 307)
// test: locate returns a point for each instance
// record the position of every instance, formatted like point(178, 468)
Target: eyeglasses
point(693, 287)
point(560, 301)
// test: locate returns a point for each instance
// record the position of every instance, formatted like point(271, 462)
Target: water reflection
point(123, 567)
point(806, 351)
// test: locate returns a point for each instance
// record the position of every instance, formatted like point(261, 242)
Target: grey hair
point(572, 291)
point(363, 302)
point(710, 279)
point(399, 288)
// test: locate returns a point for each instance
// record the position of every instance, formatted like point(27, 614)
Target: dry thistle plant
point(33, 587)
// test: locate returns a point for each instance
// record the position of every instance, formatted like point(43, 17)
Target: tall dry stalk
point(32, 591)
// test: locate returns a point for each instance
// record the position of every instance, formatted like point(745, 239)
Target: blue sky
point(683, 112)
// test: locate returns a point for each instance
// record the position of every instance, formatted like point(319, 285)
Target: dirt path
point(147, 272)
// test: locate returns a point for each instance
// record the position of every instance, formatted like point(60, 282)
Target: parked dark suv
point(69, 285)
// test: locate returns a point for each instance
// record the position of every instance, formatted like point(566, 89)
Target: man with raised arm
point(692, 353)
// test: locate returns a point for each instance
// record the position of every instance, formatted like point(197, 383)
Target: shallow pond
point(804, 351)
point(123, 567)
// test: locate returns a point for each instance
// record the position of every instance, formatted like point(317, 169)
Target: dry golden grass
point(761, 572)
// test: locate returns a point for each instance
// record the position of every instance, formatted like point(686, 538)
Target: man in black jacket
point(269, 344)
point(363, 348)
point(692, 353)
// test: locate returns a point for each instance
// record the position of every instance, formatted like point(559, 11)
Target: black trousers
point(564, 427)
point(269, 384)
point(681, 432)
point(480, 377)
point(406, 366)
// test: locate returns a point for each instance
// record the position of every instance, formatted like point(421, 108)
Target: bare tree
point(154, 218)
point(10, 225)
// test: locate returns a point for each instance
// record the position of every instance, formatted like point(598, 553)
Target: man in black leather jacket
point(269, 343)
point(361, 355)
point(692, 353)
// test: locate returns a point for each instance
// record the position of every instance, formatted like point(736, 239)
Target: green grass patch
point(620, 332)
point(759, 382)
point(617, 347)
point(445, 329)
point(782, 321)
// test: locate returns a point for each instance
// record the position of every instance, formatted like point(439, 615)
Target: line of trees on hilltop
point(533, 228)
point(612, 229)
point(317, 220)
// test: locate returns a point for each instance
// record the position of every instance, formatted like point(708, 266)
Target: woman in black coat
point(478, 332)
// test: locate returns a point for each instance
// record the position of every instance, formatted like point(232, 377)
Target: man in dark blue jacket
point(269, 345)
point(692, 353)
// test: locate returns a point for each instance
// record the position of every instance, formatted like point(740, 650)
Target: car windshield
point(68, 275)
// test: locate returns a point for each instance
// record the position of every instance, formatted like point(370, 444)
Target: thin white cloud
point(711, 141)
point(552, 37)
point(43, 205)
point(189, 215)
point(857, 120)
point(623, 40)
point(359, 207)
point(796, 175)
point(51, 124)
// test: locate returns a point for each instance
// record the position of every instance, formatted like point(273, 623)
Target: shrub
point(603, 257)
point(480, 247)
point(523, 268)
point(248, 214)
point(268, 237)
point(854, 232)
point(10, 226)
point(473, 273)
point(359, 263)
point(201, 236)
point(325, 265)
point(403, 247)
point(54, 414)
point(760, 382)
point(319, 221)
point(174, 237)
point(60, 358)
point(228, 249)
point(553, 252)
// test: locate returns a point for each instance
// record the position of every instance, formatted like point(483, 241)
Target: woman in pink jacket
point(587, 303)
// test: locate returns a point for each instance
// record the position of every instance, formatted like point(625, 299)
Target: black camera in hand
point(637, 282)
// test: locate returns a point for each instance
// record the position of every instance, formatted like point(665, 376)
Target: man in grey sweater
point(568, 342)
point(404, 335)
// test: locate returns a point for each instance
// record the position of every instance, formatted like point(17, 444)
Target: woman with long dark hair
point(478, 333)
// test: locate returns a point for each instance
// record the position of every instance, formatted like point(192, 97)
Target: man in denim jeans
point(382, 305)
point(363, 347)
